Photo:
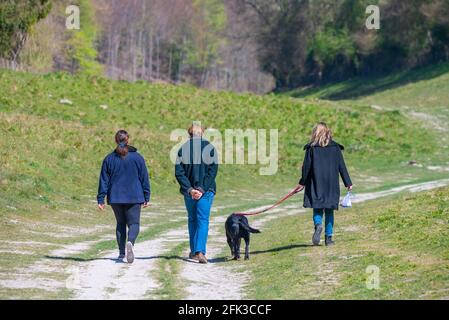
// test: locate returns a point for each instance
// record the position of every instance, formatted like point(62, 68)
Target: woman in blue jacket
point(124, 181)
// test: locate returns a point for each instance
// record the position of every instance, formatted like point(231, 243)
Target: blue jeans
point(318, 219)
point(199, 213)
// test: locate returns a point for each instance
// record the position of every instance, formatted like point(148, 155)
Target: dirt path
point(217, 281)
point(430, 121)
point(213, 281)
point(417, 187)
point(109, 278)
point(106, 278)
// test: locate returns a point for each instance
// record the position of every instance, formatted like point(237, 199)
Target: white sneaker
point(129, 252)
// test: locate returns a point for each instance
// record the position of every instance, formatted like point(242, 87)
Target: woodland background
point(239, 45)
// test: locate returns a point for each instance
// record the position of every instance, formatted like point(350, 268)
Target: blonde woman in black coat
point(323, 164)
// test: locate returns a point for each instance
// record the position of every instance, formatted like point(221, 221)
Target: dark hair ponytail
point(121, 138)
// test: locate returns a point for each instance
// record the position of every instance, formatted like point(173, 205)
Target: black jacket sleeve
point(145, 180)
point(306, 166)
point(343, 170)
point(181, 176)
point(212, 170)
point(103, 184)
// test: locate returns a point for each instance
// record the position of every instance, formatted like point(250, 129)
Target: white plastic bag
point(346, 202)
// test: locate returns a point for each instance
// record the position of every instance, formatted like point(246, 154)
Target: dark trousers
point(126, 215)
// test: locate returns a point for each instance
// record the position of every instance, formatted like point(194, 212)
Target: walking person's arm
point(306, 167)
point(344, 171)
point(145, 182)
point(103, 185)
point(180, 174)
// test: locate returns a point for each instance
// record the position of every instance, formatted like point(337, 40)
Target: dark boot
point(328, 241)
point(317, 234)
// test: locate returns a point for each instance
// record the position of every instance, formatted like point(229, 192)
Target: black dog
point(237, 227)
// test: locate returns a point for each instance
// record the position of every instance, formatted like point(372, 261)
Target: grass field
point(50, 156)
point(421, 93)
point(406, 237)
point(425, 87)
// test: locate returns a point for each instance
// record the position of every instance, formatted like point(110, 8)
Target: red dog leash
point(291, 193)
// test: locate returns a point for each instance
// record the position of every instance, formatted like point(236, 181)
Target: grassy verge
point(169, 268)
point(406, 237)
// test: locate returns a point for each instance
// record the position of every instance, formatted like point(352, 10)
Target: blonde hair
point(321, 135)
point(195, 130)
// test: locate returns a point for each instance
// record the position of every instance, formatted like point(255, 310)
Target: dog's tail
point(248, 228)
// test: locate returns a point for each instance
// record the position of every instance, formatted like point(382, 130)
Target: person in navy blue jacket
point(195, 170)
point(124, 181)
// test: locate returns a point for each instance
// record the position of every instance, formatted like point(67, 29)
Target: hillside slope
point(51, 152)
point(422, 92)
point(433, 78)
point(62, 145)
point(58, 148)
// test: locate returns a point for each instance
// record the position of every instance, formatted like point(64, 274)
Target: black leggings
point(126, 214)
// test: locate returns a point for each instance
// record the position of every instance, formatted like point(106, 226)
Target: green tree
point(333, 52)
point(437, 12)
point(16, 19)
point(206, 36)
point(281, 28)
point(404, 32)
point(83, 42)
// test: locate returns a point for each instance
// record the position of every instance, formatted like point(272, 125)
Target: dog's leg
point(247, 247)
point(237, 249)
point(231, 246)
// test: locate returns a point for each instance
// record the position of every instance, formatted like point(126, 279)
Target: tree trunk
point(158, 57)
point(151, 55)
point(170, 64)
